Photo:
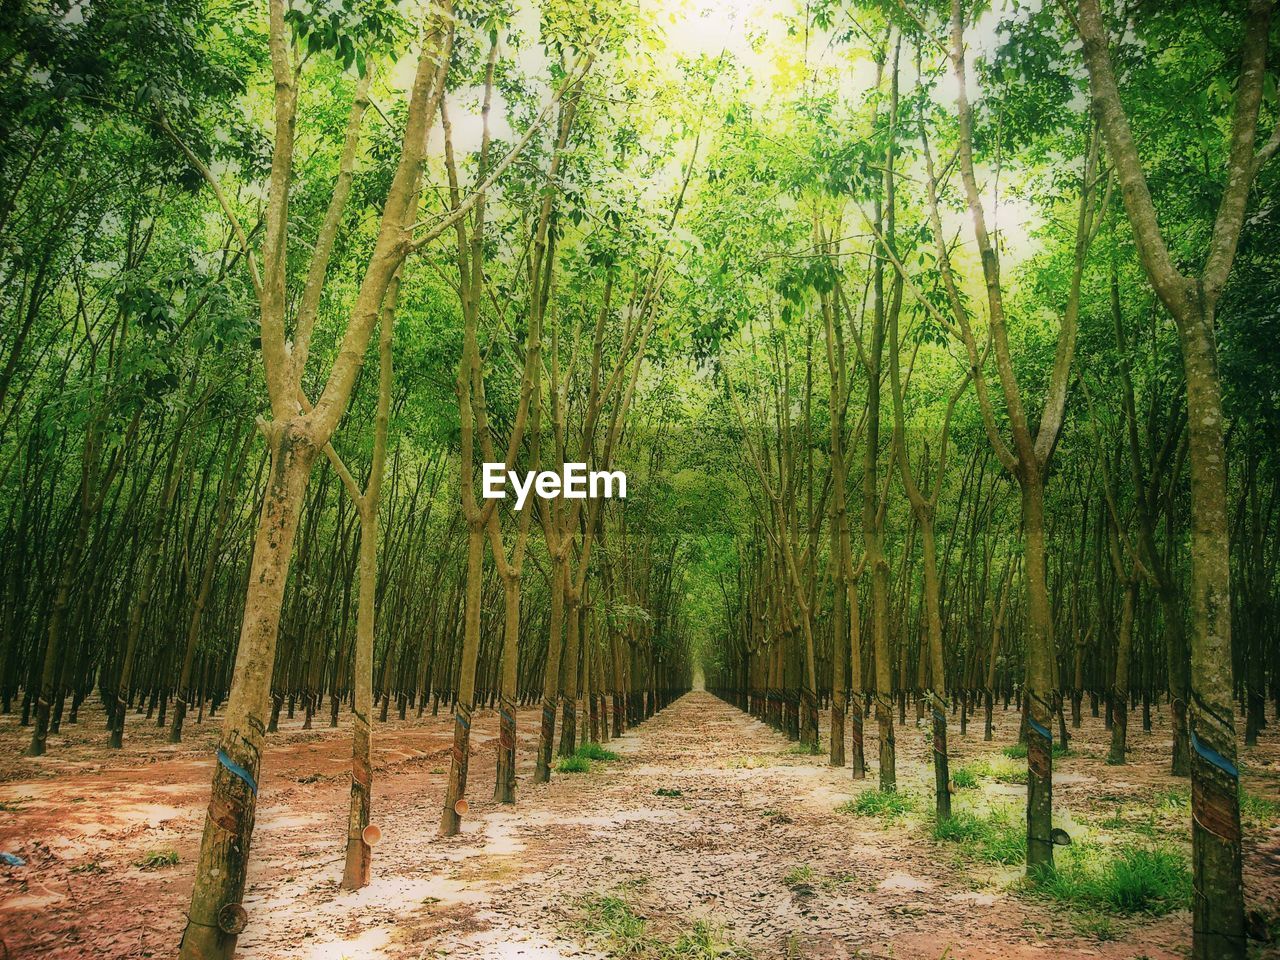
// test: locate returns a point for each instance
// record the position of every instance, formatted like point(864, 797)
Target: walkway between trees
point(707, 816)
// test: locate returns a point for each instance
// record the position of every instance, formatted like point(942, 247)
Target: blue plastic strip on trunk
point(1043, 731)
point(238, 770)
point(1214, 757)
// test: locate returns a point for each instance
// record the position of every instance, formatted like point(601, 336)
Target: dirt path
point(745, 838)
point(749, 815)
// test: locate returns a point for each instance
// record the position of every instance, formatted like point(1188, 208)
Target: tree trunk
point(551, 675)
point(359, 859)
point(1218, 905)
point(504, 790)
point(1120, 682)
point(569, 676)
point(224, 847)
point(1039, 682)
point(464, 704)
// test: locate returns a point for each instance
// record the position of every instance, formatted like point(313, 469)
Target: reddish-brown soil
point(750, 817)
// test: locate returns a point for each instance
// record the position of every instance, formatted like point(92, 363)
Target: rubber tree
point(510, 569)
point(924, 506)
point(541, 271)
point(359, 856)
point(875, 500)
point(779, 517)
point(98, 469)
point(846, 617)
point(472, 407)
point(838, 526)
point(1218, 900)
point(610, 388)
point(1028, 458)
point(295, 434)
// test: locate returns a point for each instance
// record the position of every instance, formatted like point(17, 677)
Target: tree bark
point(1218, 900)
point(228, 827)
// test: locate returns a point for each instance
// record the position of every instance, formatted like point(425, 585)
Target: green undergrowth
point(1018, 751)
point(1162, 816)
point(573, 764)
point(158, 859)
point(805, 749)
point(885, 805)
point(1172, 800)
point(1152, 880)
point(1256, 812)
point(998, 768)
point(593, 751)
point(804, 879)
point(626, 933)
point(1140, 869)
point(801, 876)
point(580, 761)
point(996, 836)
point(1145, 822)
point(1127, 857)
point(1097, 925)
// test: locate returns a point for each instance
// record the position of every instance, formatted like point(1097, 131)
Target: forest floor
point(709, 829)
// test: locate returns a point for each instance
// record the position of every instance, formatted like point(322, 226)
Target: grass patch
point(1141, 822)
point(668, 792)
point(879, 803)
point(1173, 800)
point(1258, 811)
point(999, 768)
point(593, 751)
point(612, 919)
point(747, 763)
point(574, 764)
point(157, 859)
point(1018, 751)
point(805, 749)
point(1098, 926)
point(1150, 880)
point(805, 880)
point(994, 838)
point(626, 934)
point(1004, 770)
point(703, 942)
point(801, 876)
